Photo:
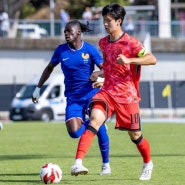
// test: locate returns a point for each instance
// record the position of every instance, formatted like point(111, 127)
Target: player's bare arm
point(98, 83)
point(94, 76)
point(101, 72)
point(45, 75)
point(148, 59)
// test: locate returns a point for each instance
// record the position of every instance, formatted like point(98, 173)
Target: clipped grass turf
point(26, 146)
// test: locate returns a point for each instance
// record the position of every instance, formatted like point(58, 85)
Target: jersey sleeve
point(55, 59)
point(96, 55)
point(138, 48)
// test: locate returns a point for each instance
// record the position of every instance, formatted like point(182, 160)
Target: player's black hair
point(114, 10)
point(84, 27)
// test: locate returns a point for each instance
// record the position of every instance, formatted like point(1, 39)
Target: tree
point(76, 7)
point(145, 2)
point(105, 2)
point(13, 7)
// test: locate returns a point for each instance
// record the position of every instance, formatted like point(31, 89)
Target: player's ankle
point(78, 161)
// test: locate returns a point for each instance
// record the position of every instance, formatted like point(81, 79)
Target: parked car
point(32, 31)
point(51, 104)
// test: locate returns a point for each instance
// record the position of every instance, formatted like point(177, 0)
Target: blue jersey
point(77, 66)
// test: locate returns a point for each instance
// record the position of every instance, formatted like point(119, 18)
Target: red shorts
point(127, 115)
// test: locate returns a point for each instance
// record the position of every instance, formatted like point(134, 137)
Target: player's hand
point(122, 59)
point(36, 95)
point(97, 84)
point(94, 76)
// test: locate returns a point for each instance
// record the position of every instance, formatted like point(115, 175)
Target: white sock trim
point(78, 162)
point(106, 164)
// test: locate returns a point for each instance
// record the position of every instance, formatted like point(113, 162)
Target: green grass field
point(26, 146)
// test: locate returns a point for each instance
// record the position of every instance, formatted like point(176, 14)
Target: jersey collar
point(76, 49)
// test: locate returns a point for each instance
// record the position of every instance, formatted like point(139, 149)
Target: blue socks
point(103, 140)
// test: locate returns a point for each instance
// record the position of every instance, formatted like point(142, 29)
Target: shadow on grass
point(136, 155)
point(19, 180)
point(19, 174)
point(28, 181)
point(33, 156)
point(21, 157)
point(72, 180)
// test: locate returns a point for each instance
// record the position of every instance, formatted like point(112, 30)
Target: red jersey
point(121, 81)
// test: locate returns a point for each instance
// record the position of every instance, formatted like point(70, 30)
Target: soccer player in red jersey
point(123, 57)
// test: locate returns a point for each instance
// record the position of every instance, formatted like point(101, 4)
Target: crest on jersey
point(85, 56)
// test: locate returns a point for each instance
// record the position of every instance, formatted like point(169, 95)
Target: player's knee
point(78, 133)
point(74, 134)
point(92, 129)
point(137, 141)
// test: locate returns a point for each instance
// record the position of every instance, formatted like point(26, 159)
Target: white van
point(32, 31)
point(51, 105)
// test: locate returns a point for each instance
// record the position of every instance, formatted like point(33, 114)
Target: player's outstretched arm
point(45, 75)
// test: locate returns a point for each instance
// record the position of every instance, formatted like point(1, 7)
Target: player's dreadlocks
point(84, 27)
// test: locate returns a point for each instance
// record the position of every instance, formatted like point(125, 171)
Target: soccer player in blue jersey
point(78, 59)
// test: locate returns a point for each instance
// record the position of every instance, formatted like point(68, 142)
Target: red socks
point(144, 149)
point(87, 138)
point(84, 144)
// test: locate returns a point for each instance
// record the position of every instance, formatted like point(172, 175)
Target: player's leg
point(75, 127)
point(128, 118)
point(74, 119)
point(99, 114)
point(143, 146)
point(97, 118)
point(78, 168)
point(103, 140)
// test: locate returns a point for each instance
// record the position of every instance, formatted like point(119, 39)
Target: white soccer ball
point(50, 173)
point(1, 126)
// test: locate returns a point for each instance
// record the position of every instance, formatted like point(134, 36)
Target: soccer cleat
point(78, 170)
point(106, 170)
point(146, 171)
